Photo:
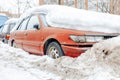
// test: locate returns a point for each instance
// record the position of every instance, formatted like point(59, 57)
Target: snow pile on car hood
point(72, 18)
point(79, 19)
point(101, 62)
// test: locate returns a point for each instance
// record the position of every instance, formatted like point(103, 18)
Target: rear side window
point(12, 25)
point(33, 21)
point(23, 25)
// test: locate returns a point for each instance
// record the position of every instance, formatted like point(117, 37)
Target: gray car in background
point(6, 28)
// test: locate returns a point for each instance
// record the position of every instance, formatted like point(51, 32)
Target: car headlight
point(86, 38)
point(77, 38)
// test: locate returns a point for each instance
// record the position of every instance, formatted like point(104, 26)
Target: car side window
point(5, 28)
point(23, 25)
point(12, 25)
point(32, 22)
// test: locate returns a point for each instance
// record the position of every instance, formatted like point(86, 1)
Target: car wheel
point(54, 50)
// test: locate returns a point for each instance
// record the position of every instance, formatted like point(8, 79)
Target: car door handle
point(25, 34)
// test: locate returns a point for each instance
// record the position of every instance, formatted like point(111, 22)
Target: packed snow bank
point(16, 64)
point(101, 62)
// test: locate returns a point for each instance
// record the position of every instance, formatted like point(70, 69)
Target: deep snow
point(101, 62)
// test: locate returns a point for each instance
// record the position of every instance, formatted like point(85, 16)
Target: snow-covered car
point(42, 31)
point(6, 28)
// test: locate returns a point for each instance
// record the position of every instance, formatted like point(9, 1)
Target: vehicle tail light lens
point(7, 36)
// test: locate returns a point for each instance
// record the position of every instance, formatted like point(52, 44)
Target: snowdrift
point(101, 62)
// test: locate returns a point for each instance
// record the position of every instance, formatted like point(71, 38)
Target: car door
point(31, 40)
point(20, 33)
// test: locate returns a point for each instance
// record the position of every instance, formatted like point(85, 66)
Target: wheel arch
point(48, 42)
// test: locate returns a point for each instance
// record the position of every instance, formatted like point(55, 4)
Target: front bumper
point(73, 51)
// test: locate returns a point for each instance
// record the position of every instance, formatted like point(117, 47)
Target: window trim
point(29, 20)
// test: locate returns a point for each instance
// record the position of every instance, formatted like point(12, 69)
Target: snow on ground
point(16, 64)
point(101, 62)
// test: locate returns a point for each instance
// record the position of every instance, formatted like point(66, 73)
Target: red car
point(36, 36)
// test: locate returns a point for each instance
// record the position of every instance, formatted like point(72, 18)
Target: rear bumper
point(73, 51)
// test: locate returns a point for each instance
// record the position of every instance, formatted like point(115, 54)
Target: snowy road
point(102, 62)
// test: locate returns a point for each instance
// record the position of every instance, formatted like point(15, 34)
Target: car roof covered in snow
point(73, 18)
point(41, 9)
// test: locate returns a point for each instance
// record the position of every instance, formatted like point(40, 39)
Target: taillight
point(7, 36)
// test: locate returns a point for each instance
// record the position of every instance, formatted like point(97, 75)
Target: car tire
point(54, 50)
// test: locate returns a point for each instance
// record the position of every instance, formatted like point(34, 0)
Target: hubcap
point(53, 52)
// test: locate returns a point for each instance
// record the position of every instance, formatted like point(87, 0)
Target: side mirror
point(36, 26)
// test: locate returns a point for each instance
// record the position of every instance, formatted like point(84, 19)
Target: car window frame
point(29, 20)
point(42, 19)
point(19, 26)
